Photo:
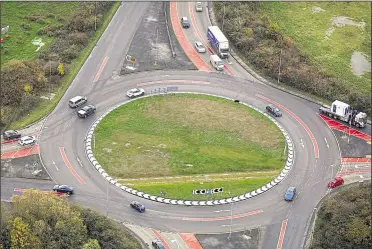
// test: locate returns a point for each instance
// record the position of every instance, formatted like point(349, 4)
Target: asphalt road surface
point(63, 152)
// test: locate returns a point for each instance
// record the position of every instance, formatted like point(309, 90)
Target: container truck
point(218, 41)
point(342, 111)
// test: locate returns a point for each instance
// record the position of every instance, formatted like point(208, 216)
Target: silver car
point(26, 140)
point(200, 47)
point(135, 92)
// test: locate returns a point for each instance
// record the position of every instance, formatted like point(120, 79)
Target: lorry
point(198, 6)
point(342, 111)
point(218, 41)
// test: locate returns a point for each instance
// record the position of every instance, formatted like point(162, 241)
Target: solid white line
point(326, 142)
point(81, 164)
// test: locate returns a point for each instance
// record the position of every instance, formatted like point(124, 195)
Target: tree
point(21, 237)
point(61, 69)
point(91, 244)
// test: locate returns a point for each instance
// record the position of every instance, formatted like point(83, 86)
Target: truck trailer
point(218, 41)
point(342, 111)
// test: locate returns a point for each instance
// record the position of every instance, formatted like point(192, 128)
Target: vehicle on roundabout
point(77, 101)
point(138, 206)
point(86, 111)
point(63, 189)
point(157, 244)
point(338, 181)
point(290, 194)
point(11, 134)
point(135, 92)
point(27, 140)
point(185, 22)
point(274, 111)
point(200, 47)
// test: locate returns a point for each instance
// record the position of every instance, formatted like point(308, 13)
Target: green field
point(19, 45)
point(188, 135)
point(307, 30)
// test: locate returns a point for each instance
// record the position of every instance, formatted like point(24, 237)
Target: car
point(290, 194)
point(273, 110)
point(27, 140)
point(336, 182)
point(200, 47)
point(185, 22)
point(77, 101)
point(138, 206)
point(157, 244)
point(11, 134)
point(198, 7)
point(63, 189)
point(135, 92)
point(86, 111)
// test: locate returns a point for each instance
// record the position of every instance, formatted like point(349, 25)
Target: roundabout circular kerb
point(94, 162)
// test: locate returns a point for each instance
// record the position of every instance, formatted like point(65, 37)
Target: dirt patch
point(248, 239)
point(24, 167)
point(317, 9)
point(341, 21)
point(359, 64)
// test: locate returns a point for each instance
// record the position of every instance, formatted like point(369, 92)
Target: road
point(63, 151)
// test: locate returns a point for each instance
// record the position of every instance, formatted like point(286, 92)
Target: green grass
point(183, 191)
point(45, 106)
point(198, 137)
point(307, 30)
point(19, 44)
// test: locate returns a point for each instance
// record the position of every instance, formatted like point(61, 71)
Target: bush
point(25, 26)
point(40, 20)
point(34, 17)
point(78, 38)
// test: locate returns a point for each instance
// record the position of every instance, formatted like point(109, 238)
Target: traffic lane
point(9, 184)
point(118, 36)
point(201, 25)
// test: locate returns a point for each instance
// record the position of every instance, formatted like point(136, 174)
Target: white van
point(77, 101)
point(216, 62)
point(199, 7)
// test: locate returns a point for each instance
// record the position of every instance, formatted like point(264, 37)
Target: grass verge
point(183, 191)
point(45, 107)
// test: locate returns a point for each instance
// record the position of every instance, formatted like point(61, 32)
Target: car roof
point(26, 137)
point(76, 98)
point(199, 43)
point(10, 131)
point(184, 18)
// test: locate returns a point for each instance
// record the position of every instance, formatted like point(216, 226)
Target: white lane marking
point(361, 176)
point(222, 211)
point(81, 164)
point(55, 165)
point(302, 143)
point(356, 166)
point(326, 142)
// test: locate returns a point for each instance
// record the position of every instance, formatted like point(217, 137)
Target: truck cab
point(216, 62)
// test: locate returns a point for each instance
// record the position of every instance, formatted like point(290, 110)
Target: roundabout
point(181, 123)
point(62, 144)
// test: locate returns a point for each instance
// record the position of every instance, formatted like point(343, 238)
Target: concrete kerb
point(267, 187)
point(258, 77)
point(166, 13)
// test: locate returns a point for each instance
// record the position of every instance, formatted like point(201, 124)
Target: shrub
point(40, 20)
point(34, 17)
point(51, 15)
point(78, 38)
point(25, 26)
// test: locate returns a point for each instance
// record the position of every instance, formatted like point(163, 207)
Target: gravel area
point(248, 239)
point(151, 45)
point(25, 167)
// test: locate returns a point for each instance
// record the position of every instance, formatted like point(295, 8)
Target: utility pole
point(280, 63)
point(95, 16)
point(50, 79)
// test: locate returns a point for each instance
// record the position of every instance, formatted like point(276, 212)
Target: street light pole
point(223, 17)
point(95, 16)
point(280, 63)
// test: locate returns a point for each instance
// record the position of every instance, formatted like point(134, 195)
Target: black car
point(273, 110)
point(185, 22)
point(157, 244)
point(12, 134)
point(63, 189)
point(86, 111)
point(138, 206)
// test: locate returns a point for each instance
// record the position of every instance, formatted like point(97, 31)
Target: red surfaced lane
point(21, 152)
point(356, 160)
point(189, 50)
point(69, 166)
point(158, 235)
point(190, 240)
point(336, 125)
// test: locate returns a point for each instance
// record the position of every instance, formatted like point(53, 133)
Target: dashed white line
point(302, 143)
point(325, 139)
point(55, 165)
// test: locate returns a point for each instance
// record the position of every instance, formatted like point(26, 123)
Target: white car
point(135, 92)
point(200, 47)
point(26, 140)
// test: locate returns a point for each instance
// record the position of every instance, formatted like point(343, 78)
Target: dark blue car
point(63, 189)
point(138, 206)
point(290, 194)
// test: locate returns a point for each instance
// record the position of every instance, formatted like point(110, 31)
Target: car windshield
point(276, 109)
point(85, 108)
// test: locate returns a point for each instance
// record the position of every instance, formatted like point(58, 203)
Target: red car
point(336, 182)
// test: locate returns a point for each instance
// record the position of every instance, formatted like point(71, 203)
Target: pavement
point(24, 167)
